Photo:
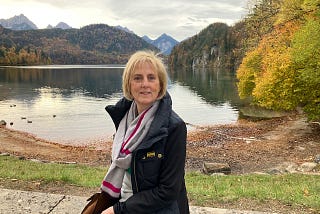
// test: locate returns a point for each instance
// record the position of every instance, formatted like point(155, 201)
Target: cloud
point(178, 18)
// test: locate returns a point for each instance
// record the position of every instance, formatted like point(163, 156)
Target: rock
point(291, 168)
point(317, 159)
point(274, 172)
point(317, 168)
point(3, 123)
point(301, 148)
point(285, 167)
point(307, 167)
point(210, 168)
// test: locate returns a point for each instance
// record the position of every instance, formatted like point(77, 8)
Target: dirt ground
point(247, 146)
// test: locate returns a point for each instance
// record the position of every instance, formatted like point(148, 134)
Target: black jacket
point(157, 167)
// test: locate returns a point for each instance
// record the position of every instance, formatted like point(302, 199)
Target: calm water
point(66, 103)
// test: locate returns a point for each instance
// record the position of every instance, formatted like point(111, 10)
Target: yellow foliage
point(277, 79)
point(287, 72)
point(289, 10)
point(266, 73)
point(248, 70)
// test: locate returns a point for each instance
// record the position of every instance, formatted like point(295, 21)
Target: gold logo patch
point(151, 154)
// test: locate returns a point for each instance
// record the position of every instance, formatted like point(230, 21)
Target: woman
point(149, 148)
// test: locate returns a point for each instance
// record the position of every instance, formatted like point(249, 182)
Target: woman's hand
point(108, 211)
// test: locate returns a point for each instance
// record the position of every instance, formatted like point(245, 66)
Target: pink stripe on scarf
point(111, 187)
point(126, 151)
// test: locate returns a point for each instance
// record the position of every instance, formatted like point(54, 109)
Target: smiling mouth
point(145, 93)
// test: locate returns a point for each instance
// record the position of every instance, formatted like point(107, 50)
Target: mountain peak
point(124, 29)
point(147, 39)
point(164, 42)
point(62, 25)
point(18, 22)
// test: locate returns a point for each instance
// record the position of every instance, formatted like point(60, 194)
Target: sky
point(178, 18)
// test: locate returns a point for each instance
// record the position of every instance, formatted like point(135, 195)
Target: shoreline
point(247, 146)
point(63, 143)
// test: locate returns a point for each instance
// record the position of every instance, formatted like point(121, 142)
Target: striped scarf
point(131, 131)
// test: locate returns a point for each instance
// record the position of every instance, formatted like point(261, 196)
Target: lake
point(66, 104)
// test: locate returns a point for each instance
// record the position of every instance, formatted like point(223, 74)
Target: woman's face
point(144, 86)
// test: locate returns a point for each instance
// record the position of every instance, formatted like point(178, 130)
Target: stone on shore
point(3, 123)
point(211, 167)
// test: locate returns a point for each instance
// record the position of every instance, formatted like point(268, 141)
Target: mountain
point(92, 44)
point(124, 29)
point(20, 22)
point(63, 26)
point(164, 42)
point(216, 46)
point(147, 39)
point(60, 25)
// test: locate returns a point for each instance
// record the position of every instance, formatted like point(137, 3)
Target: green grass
point(203, 190)
point(80, 175)
point(293, 189)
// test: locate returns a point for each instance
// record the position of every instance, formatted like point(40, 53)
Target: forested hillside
point(275, 51)
point(212, 48)
point(92, 44)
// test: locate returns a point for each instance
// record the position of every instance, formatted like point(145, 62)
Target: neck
point(140, 109)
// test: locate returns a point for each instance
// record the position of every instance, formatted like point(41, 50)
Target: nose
point(144, 82)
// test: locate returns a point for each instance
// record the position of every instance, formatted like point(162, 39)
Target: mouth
point(145, 93)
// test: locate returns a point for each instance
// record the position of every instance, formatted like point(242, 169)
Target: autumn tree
point(247, 73)
point(306, 58)
point(276, 83)
point(259, 21)
point(282, 71)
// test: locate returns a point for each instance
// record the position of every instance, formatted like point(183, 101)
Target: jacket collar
point(160, 124)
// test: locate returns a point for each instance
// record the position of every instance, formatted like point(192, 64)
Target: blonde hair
point(137, 59)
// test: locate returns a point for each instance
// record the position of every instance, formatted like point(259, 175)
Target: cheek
point(133, 87)
point(157, 87)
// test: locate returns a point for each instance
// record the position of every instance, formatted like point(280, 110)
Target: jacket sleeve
point(171, 178)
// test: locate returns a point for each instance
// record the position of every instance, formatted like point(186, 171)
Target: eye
point(152, 77)
point(137, 78)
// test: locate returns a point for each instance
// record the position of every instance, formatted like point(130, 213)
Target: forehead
point(144, 67)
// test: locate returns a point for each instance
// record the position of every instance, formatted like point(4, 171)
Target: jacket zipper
point(134, 171)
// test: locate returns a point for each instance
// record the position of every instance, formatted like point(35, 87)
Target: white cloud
point(178, 18)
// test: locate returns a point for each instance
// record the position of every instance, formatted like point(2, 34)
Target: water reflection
point(216, 87)
point(97, 82)
point(77, 97)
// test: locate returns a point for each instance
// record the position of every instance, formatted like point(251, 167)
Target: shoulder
point(175, 118)
point(172, 119)
point(175, 121)
point(118, 110)
point(122, 105)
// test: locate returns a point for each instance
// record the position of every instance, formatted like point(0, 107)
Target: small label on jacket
point(151, 154)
